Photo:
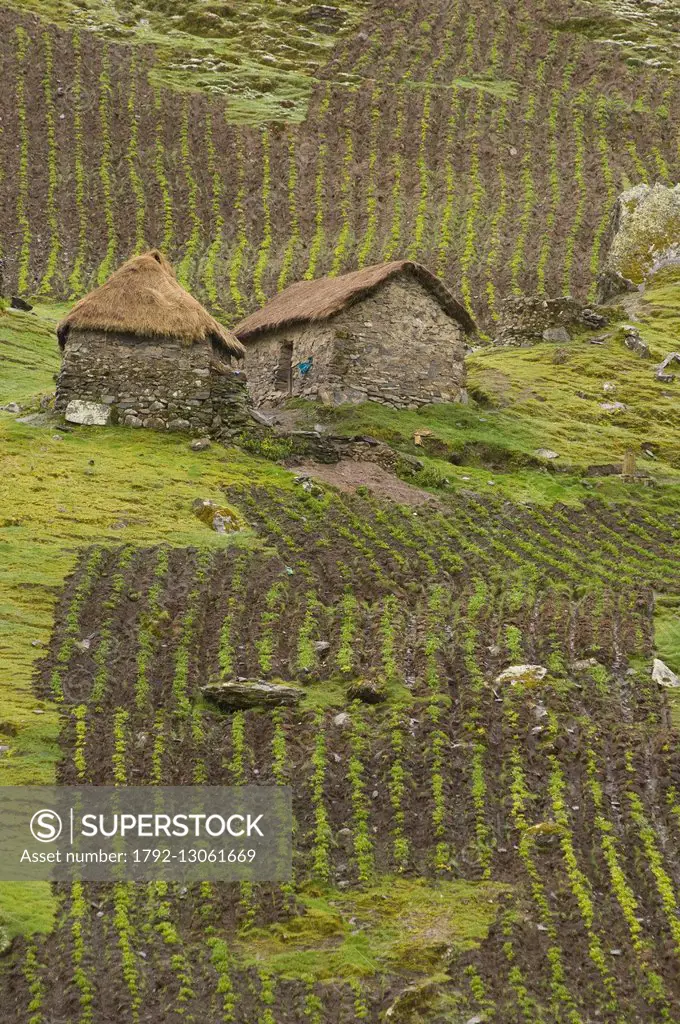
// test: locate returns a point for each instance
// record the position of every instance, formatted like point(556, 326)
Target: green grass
point(400, 924)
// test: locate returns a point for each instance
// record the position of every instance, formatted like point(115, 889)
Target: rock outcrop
point(643, 237)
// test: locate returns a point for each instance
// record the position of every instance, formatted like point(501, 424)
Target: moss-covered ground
point(404, 924)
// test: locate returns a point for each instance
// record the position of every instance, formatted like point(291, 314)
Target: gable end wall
point(397, 346)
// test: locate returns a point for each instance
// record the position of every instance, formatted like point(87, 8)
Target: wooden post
point(628, 471)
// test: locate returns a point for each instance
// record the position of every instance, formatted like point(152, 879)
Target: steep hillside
point(471, 845)
point(486, 141)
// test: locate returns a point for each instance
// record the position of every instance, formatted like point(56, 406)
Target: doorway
point(284, 369)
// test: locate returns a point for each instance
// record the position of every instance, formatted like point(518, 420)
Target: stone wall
point(397, 346)
point(527, 320)
point(160, 384)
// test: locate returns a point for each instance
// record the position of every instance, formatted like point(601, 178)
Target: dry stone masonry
point(396, 346)
point(158, 383)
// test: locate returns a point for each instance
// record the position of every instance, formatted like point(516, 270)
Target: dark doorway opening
point(284, 370)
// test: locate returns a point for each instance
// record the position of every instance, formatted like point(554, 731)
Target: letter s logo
point(46, 826)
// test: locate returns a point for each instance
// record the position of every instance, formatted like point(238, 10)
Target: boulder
point(16, 302)
point(612, 407)
point(219, 518)
point(521, 674)
point(87, 414)
point(643, 237)
point(663, 675)
point(200, 444)
point(242, 694)
point(11, 407)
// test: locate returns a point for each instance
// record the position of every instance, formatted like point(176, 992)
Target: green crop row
point(52, 208)
point(22, 48)
point(107, 265)
point(187, 266)
point(132, 157)
point(266, 243)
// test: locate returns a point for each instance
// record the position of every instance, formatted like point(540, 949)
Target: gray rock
point(265, 418)
point(583, 664)
point(547, 453)
point(200, 444)
point(661, 375)
point(178, 425)
point(644, 236)
point(633, 341)
point(609, 387)
point(87, 414)
point(612, 407)
point(557, 334)
point(522, 673)
point(241, 694)
point(11, 407)
point(343, 720)
point(16, 302)
point(663, 675)
point(321, 646)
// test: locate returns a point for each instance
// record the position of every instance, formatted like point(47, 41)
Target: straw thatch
point(308, 301)
point(144, 298)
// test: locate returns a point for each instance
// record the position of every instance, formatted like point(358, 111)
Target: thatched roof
point(144, 297)
point(317, 300)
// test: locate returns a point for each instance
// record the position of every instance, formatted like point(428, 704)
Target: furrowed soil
point(489, 143)
point(467, 846)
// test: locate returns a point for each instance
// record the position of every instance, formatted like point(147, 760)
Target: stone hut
point(390, 333)
point(147, 354)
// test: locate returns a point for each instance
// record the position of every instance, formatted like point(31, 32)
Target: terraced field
point(466, 846)
point(486, 143)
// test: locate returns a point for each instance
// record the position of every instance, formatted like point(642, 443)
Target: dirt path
point(347, 475)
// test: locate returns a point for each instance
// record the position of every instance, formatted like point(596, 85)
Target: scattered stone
point(87, 414)
point(609, 387)
point(661, 375)
point(633, 341)
point(241, 694)
point(3, 749)
point(522, 673)
point(367, 691)
point(663, 675)
point(11, 407)
point(593, 319)
point(265, 418)
point(546, 453)
point(200, 444)
point(612, 407)
point(16, 302)
point(343, 720)
point(583, 664)
point(558, 334)
point(321, 647)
